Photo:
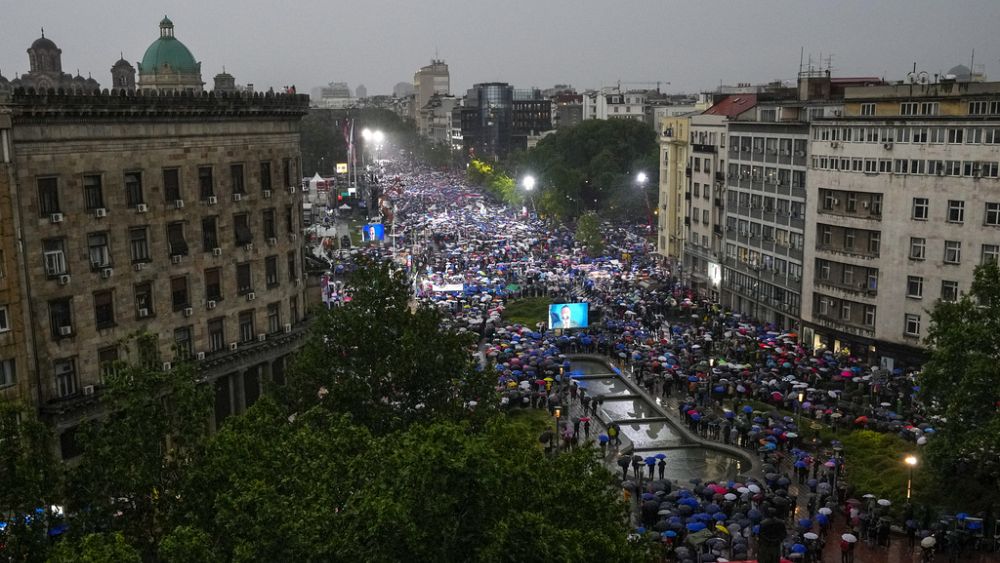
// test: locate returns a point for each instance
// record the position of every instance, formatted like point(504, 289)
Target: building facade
point(905, 203)
point(705, 197)
point(671, 213)
point(487, 120)
point(429, 81)
point(614, 103)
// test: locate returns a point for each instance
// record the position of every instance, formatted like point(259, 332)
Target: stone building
point(45, 64)
point(168, 65)
point(123, 75)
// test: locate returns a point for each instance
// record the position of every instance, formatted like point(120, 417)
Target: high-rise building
point(171, 215)
point(431, 80)
point(497, 119)
point(904, 204)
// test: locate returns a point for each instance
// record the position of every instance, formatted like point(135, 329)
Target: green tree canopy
point(588, 233)
point(960, 384)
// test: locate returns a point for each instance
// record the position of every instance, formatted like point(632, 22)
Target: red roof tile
point(733, 105)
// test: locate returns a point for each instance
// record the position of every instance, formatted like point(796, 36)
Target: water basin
point(590, 367)
point(650, 434)
point(608, 387)
point(684, 464)
point(625, 409)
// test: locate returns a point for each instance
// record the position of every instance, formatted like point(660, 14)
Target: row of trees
point(384, 445)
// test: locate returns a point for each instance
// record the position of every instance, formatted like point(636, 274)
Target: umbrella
point(849, 538)
point(884, 502)
point(928, 542)
point(826, 511)
point(810, 536)
point(660, 456)
point(798, 548)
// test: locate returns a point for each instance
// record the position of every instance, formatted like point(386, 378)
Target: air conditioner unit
point(106, 273)
point(261, 337)
point(267, 194)
point(291, 189)
point(293, 236)
point(188, 311)
point(836, 201)
point(212, 200)
point(211, 304)
point(143, 313)
point(237, 197)
point(64, 279)
point(836, 113)
point(200, 356)
point(296, 281)
point(100, 212)
point(864, 204)
point(166, 366)
point(272, 241)
point(834, 144)
point(138, 266)
point(248, 247)
point(234, 346)
point(142, 208)
point(175, 259)
point(216, 251)
point(65, 330)
point(288, 328)
point(88, 390)
point(251, 296)
point(800, 153)
point(56, 218)
point(887, 146)
point(178, 204)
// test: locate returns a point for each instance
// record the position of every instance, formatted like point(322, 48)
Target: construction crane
point(644, 83)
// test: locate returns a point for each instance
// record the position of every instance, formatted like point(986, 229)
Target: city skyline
point(641, 43)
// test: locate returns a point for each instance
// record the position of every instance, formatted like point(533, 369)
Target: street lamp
point(529, 185)
point(641, 178)
point(557, 411)
point(911, 462)
point(802, 397)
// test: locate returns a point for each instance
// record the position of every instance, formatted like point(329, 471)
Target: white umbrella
point(884, 502)
point(810, 536)
point(753, 489)
point(869, 495)
point(826, 510)
point(729, 496)
point(928, 542)
point(849, 538)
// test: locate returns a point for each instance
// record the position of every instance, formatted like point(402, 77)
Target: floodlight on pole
point(528, 182)
point(366, 134)
point(641, 178)
point(911, 462)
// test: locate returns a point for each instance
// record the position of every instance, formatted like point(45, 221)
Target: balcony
point(720, 178)
point(703, 148)
point(687, 171)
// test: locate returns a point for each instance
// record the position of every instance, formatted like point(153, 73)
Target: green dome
point(168, 51)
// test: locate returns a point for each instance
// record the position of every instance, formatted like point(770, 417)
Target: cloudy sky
point(693, 44)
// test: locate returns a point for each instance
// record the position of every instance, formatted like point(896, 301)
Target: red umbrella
point(861, 420)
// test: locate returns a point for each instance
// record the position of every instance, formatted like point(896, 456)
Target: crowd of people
point(734, 380)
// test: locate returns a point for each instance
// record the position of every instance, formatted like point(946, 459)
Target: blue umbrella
point(696, 526)
point(603, 438)
point(754, 514)
point(800, 464)
point(660, 456)
point(669, 534)
point(719, 516)
point(650, 460)
point(798, 548)
point(747, 409)
point(648, 496)
point(805, 523)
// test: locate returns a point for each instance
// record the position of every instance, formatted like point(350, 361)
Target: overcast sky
point(693, 45)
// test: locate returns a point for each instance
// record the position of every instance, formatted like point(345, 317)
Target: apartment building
point(675, 147)
point(614, 103)
point(904, 204)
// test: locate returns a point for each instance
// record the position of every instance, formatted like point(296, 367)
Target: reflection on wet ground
point(604, 387)
point(651, 434)
point(589, 367)
point(684, 464)
point(625, 409)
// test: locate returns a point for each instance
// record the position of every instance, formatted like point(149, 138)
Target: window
point(55, 257)
point(824, 270)
point(148, 351)
point(952, 251)
point(991, 253)
point(144, 299)
point(929, 108)
point(291, 266)
point(175, 239)
point(826, 235)
point(274, 317)
point(179, 292)
point(107, 360)
point(828, 200)
point(911, 325)
point(849, 235)
point(949, 290)
point(241, 229)
point(876, 204)
point(867, 109)
point(286, 169)
point(915, 287)
point(48, 196)
point(171, 185)
point(209, 234)
point(293, 309)
point(956, 135)
point(992, 214)
point(183, 343)
point(246, 326)
point(824, 306)
point(138, 244)
point(133, 189)
point(244, 280)
point(269, 226)
point(704, 216)
point(847, 275)
point(908, 108)
point(238, 178)
point(60, 316)
point(8, 373)
point(104, 309)
point(206, 183)
point(265, 175)
point(213, 284)
point(918, 248)
point(978, 108)
point(289, 222)
point(4, 320)
point(93, 192)
point(869, 315)
point(851, 202)
point(65, 372)
point(956, 211)
point(921, 209)
point(97, 246)
point(874, 242)
point(845, 311)
point(3, 272)
point(271, 271)
point(217, 334)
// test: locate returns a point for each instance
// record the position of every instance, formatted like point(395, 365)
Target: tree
point(127, 478)
point(588, 233)
point(29, 480)
point(384, 363)
point(959, 383)
point(95, 548)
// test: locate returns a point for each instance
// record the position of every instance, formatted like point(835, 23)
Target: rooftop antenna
point(972, 65)
point(802, 51)
point(43, 33)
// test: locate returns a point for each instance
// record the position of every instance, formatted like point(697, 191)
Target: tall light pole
point(557, 411)
point(640, 179)
point(529, 185)
point(911, 462)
